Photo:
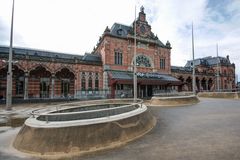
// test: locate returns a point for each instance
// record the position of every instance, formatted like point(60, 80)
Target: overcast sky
point(74, 26)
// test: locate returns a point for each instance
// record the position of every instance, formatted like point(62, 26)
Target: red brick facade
point(206, 75)
point(108, 69)
point(120, 38)
point(34, 76)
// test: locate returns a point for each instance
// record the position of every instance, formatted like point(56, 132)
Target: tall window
point(118, 57)
point(162, 63)
point(90, 81)
point(19, 85)
point(83, 85)
point(44, 87)
point(96, 82)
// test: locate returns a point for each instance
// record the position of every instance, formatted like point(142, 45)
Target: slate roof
point(209, 61)
point(121, 75)
point(48, 55)
point(122, 31)
point(92, 57)
point(182, 69)
point(127, 75)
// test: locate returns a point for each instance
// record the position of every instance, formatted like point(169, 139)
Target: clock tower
point(142, 15)
point(143, 28)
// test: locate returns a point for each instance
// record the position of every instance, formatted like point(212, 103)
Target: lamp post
point(218, 80)
point(9, 73)
point(134, 61)
point(193, 65)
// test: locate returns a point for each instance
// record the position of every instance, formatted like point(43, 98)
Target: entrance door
point(143, 91)
point(65, 88)
point(149, 90)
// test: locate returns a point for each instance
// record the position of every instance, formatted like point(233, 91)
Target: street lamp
point(134, 61)
point(193, 65)
point(9, 73)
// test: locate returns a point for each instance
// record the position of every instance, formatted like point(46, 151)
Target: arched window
point(96, 81)
point(83, 85)
point(90, 81)
point(143, 61)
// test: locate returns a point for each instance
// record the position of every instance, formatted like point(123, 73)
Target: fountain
point(82, 127)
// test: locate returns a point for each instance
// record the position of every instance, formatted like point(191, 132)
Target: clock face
point(142, 29)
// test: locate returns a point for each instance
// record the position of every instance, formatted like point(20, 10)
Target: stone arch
point(39, 82)
point(20, 67)
point(181, 78)
point(64, 72)
point(40, 65)
point(182, 87)
point(189, 83)
point(17, 81)
point(210, 84)
point(41, 71)
point(65, 82)
point(203, 84)
point(142, 59)
point(65, 67)
point(197, 84)
point(3, 66)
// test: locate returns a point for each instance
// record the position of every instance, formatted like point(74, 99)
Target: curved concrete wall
point(174, 101)
point(82, 139)
point(230, 95)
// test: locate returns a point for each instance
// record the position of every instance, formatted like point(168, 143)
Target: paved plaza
point(208, 130)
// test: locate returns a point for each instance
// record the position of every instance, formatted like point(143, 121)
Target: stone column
point(75, 86)
point(105, 83)
point(53, 86)
point(26, 85)
point(146, 90)
point(200, 85)
point(207, 85)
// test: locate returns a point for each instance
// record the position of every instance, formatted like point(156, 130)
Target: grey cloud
point(4, 36)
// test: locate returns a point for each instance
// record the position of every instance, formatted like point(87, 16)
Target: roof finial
point(142, 9)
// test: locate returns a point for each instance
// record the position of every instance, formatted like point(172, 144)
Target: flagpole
point(193, 65)
point(9, 74)
point(134, 62)
point(218, 86)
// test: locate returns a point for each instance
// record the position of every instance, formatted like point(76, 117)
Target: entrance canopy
point(126, 77)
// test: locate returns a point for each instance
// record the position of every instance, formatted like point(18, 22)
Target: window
point(119, 87)
point(90, 81)
point(83, 85)
point(96, 82)
point(162, 63)
point(19, 85)
point(44, 87)
point(118, 57)
point(143, 61)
